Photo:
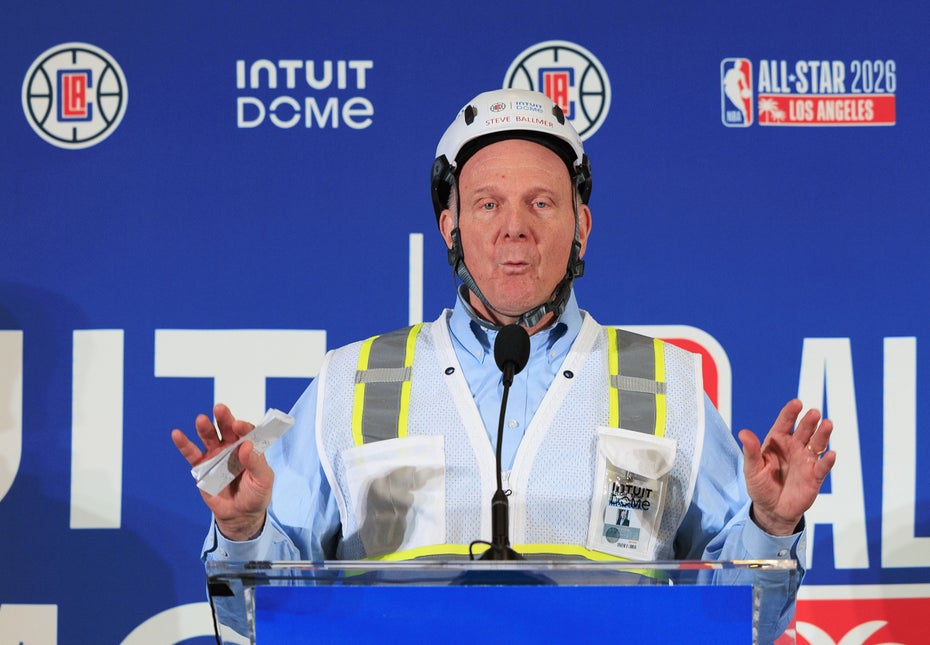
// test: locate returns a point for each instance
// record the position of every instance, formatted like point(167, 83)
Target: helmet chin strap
point(555, 304)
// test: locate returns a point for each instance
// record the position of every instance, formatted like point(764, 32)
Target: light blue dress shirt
point(303, 522)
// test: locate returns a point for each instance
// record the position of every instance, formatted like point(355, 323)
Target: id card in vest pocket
point(630, 486)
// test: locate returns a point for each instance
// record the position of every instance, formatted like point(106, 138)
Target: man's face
point(517, 224)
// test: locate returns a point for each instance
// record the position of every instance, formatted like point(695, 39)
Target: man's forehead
point(513, 155)
point(534, 142)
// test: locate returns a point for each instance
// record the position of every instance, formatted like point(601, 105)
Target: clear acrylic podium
point(537, 601)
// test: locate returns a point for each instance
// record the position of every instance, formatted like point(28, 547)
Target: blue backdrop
point(197, 199)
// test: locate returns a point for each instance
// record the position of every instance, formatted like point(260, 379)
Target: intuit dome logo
point(308, 93)
point(74, 95)
point(568, 74)
point(811, 92)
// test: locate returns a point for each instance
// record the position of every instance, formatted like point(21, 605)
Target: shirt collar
point(479, 341)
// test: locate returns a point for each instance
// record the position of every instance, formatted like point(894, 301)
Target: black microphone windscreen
point(512, 346)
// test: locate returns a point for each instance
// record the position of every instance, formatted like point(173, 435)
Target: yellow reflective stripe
point(613, 367)
point(479, 548)
point(405, 386)
point(637, 384)
point(661, 413)
point(571, 550)
point(358, 404)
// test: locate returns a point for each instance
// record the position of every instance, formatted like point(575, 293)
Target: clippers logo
point(736, 92)
point(72, 88)
point(74, 95)
point(498, 107)
point(568, 74)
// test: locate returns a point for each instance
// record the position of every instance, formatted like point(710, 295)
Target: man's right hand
point(239, 509)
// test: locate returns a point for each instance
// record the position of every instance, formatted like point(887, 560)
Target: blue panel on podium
point(636, 614)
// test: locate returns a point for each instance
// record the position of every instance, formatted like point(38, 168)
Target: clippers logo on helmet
point(736, 92)
point(568, 74)
point(74, 95)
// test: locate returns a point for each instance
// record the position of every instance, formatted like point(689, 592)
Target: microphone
point(511, 353)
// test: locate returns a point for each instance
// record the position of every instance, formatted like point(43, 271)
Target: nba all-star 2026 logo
point(74, 95)
point(811, 92)
point(568, 74)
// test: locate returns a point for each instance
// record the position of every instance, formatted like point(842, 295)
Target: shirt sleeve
point(303, 519)
point(718, 526)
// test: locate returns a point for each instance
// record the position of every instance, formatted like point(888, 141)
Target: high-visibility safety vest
point(406, 453)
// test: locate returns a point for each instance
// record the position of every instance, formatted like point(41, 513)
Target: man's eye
point(488, 206)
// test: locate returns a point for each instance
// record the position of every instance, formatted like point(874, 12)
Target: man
point(391, 455)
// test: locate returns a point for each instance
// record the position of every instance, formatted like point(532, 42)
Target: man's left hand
point(784, 474)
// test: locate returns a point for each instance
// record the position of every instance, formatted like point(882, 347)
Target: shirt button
point(513, 424)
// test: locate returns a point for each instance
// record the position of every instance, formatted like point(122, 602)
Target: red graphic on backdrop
point(73, 104)
point(847, 109)
point(557, 84)
point(879, 621)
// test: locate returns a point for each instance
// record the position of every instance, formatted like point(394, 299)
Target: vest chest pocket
point(397, 493)
point(629, 492)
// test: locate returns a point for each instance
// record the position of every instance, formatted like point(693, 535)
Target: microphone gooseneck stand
point(511, 352)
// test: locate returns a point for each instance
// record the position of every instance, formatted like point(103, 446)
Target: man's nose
point(517, 218)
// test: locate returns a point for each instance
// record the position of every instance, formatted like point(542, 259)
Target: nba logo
point(73, 85)
point(556, 83)
point(736, 92)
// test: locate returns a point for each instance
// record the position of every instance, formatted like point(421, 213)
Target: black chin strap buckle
point(575, 263)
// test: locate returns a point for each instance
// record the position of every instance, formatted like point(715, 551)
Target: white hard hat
point(497, 116)
point(506, 114)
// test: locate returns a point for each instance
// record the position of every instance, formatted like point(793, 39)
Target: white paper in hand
point(219, 471)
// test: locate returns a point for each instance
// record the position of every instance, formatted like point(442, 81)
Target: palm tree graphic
point(769, 111)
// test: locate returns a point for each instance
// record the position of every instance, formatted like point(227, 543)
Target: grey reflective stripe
point(382, 375)
point(384, 379)
point(635, 384)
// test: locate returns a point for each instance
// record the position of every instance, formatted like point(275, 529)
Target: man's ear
point(584, 227)
point(446, 226)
